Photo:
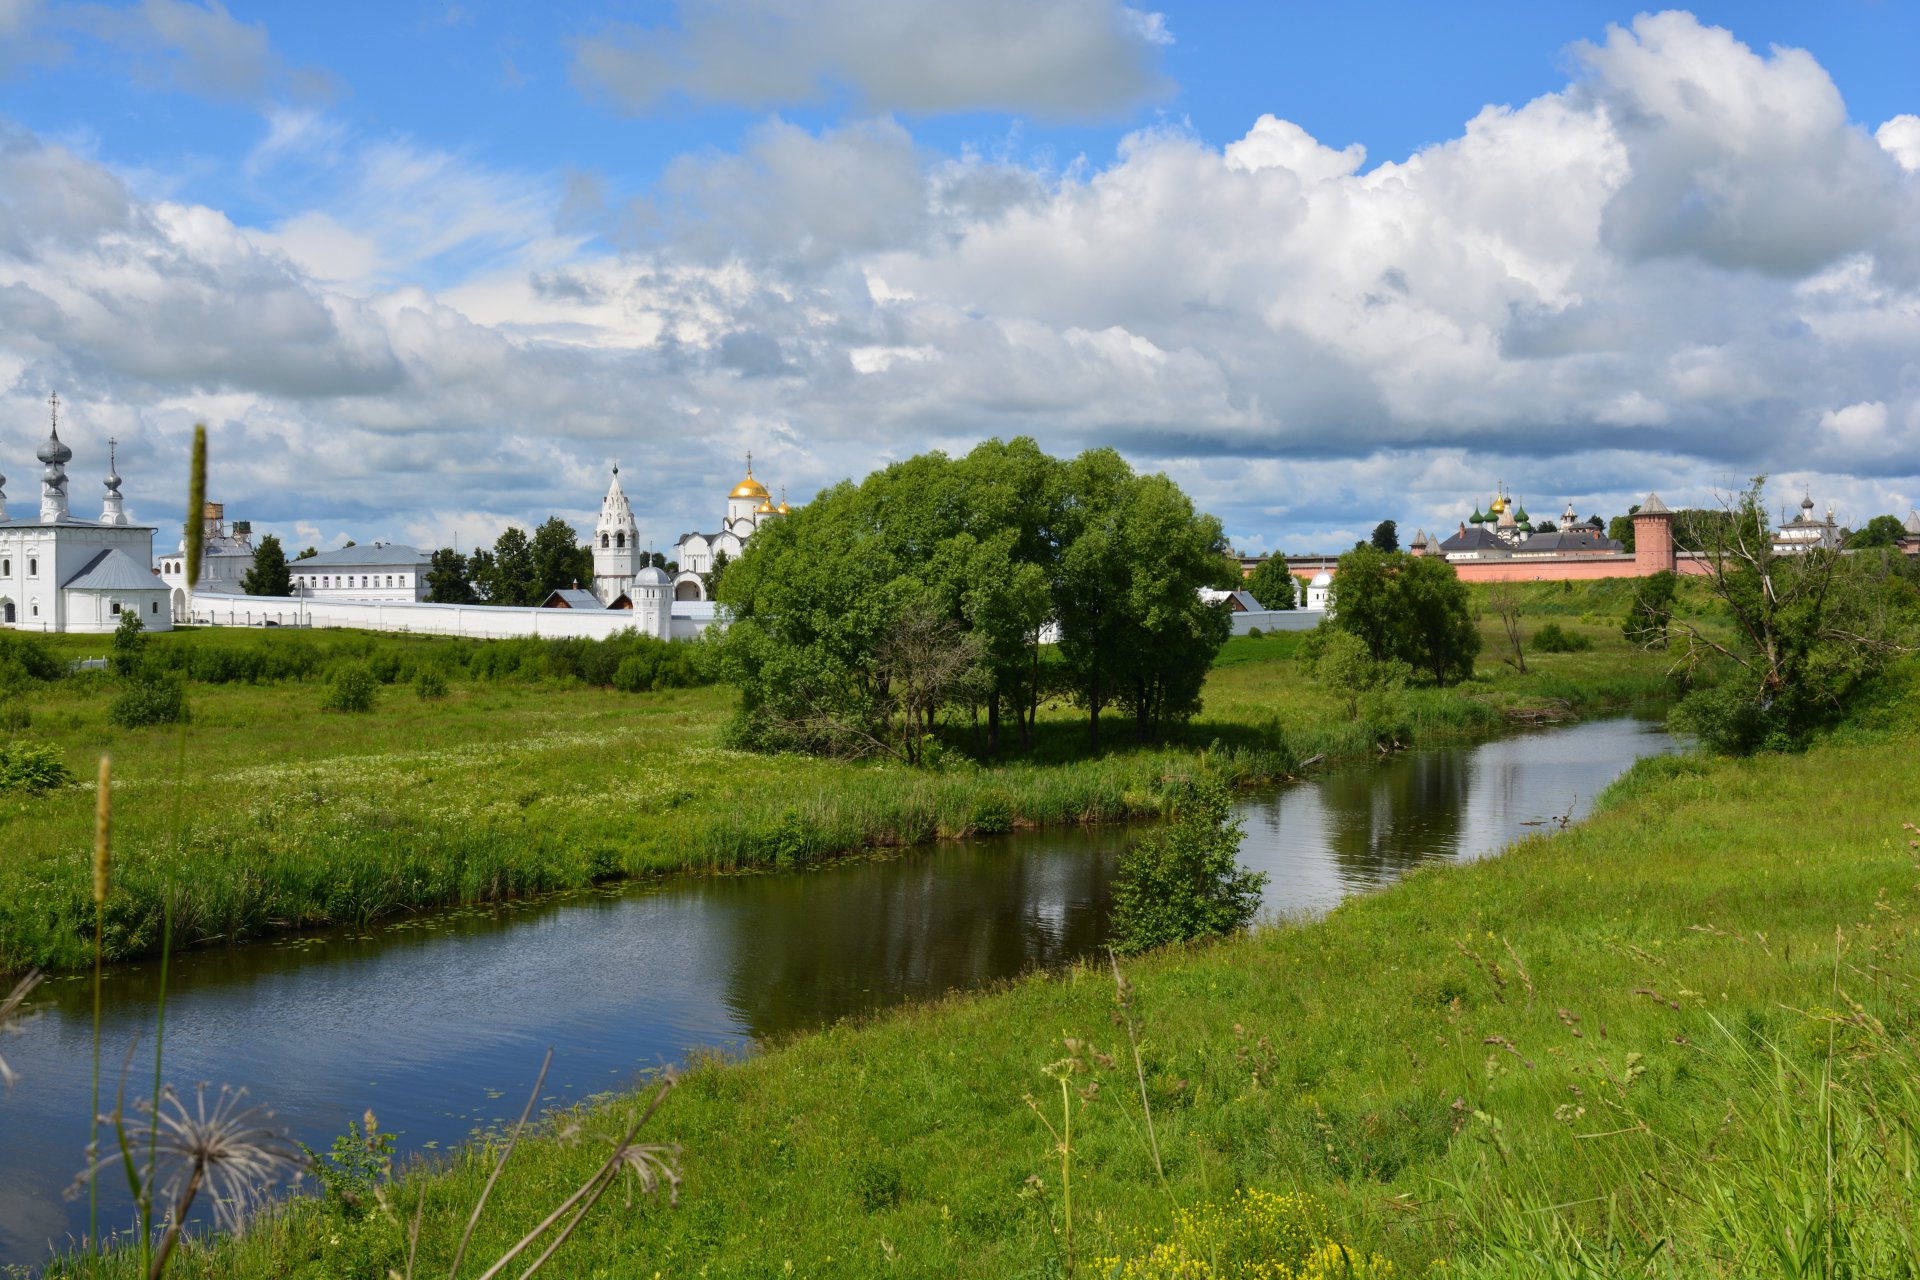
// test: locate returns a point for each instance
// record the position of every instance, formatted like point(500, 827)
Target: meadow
point(268, 813)
point(1676, 1040)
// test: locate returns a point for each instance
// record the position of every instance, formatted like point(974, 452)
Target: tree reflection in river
point(811, 948)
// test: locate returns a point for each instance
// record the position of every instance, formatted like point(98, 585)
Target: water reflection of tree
point(811, 948)
point(1384, 820)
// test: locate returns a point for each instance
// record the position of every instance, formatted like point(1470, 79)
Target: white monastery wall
point(477, 622)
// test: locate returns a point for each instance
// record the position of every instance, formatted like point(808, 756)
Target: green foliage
point(1405, 608)
point(149, 698)
point(1554, 638)
point(879, 613)
point(1881, 531)
point(351, 1173)
point(1340, 661)
point(129, 645)
point(1811, 630)
point(510, 575)
point(1386, 536)
point(559, 559)
point(32, 767)
point(26, 659)
point(269, 575)
point(1273, 585)
point(1184, 881)
point(352, 689)
point(429, 685)
point(1620, 528)
point(447, 580)
point(1651, 610)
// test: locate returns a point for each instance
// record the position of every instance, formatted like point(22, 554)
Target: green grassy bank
point(286, 816)
point(1676, 1040)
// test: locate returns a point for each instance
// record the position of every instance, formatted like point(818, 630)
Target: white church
point(621, 567)
point(62, 572)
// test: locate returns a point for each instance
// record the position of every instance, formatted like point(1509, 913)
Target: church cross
point(749, 463)
point(54, 400)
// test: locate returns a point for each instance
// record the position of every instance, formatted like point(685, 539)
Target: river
point(439, 1022)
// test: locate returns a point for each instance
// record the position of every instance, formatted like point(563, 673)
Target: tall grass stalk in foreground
point(9, 1005)
point(102, 831)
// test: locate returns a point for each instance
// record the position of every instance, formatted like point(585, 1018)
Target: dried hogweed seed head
point(102, 829)
point(196, 505)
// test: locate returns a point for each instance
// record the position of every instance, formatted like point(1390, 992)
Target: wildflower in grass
point(1257, 1235)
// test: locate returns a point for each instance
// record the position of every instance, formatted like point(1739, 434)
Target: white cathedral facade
point(621, 567)
point(62, 572)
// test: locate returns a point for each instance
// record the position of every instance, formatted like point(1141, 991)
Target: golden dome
point(782, 508)
point(750, 488)
point(765, 507)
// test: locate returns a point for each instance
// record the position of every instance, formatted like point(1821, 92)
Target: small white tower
point(53, 480)
point(616, 545)
point(114, 511)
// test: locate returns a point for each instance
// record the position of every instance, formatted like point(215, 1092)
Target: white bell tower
point(616, 545)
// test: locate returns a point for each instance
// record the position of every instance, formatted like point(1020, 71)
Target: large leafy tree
point(559, 559)
point(269, 575)
point(1411, 609)
point(1881, 531)
point(511, 574)
point(1810, 628)
point(1273, 584)
point(447, 581)
point(881, 610)
point(1386, 536)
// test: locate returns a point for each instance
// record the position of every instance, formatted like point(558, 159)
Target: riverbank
point(1677, 1033)
point(289, 817)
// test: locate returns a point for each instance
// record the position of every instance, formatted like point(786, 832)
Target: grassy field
point(286, 816)
point(1678, 1040)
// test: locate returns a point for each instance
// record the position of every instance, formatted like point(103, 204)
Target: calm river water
point(439, 1022)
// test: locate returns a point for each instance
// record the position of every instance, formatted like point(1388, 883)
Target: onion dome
point(1476, 517)
point(749, 488)
point(55, 452)
point(113, 469)
point(783, 508)
point(1520, 515)
point(766, 506)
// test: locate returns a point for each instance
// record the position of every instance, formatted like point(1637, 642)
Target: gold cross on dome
point(749, 462)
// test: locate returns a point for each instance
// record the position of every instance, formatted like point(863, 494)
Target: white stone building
point(226, 558)
point(386, 571)
point(60, 572)
point(1806, 531)
point(748, 507)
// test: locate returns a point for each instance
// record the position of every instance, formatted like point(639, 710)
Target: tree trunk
point(993, 725)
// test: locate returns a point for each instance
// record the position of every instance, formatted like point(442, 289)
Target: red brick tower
point(1652, 537)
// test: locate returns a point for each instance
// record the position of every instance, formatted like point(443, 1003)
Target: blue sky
point(426, 269)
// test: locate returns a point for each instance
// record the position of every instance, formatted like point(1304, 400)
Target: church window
point(603, 541)
point(115, 606)
point(620, 540)
point(153, 606)
point(6, 567)
point(33, 568)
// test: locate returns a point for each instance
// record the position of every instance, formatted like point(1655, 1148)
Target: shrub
point(1554, 638)
point(24, 657)
point(351, 689)
point(15, 715)
point(129, 645)
point(149, 699)
point(429, 684)
point(1184, 880)
point(1256, 1234)
point(32, 766)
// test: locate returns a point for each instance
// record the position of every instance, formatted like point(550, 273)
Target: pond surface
point(439, 1022)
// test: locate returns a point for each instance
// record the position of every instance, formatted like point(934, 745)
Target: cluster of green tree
point(1406, 608)
point(879, 611)
point(149, 693)
point(1273, 584)
point(516, 570)
point(1881, 531)
point(1811, 631)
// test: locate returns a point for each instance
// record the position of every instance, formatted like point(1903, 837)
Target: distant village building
point(226, 558)
point(1910, 541)
point(1506, 532)
point(61, 572)
point(1806, 531)
point(381, 571)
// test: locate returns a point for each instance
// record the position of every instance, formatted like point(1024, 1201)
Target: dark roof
point(1653, 507)
point(1583, 538)
point(367, 555)
point(114, 570)
point(570, 598)
point(1476, 538)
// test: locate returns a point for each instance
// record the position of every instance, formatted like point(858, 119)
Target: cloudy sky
point(428, 269)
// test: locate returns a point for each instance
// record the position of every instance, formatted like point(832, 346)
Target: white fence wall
point(1277, 620)
point(479, 622)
